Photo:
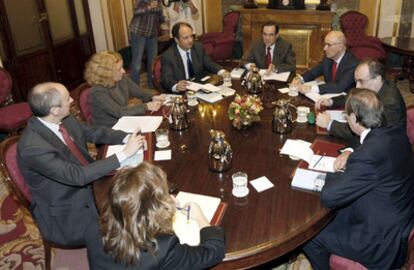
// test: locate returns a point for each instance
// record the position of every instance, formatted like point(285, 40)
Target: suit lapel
point(47, 134)
point(180, 65)
point(341, 65)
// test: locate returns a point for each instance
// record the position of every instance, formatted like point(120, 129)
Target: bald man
point(337, 68)
point(53, 158)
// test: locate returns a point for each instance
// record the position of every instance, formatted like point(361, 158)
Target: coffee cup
point(240, 188)
point(227, 79)
point(302, 113)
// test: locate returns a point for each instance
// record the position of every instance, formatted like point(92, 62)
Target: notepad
point(189, 233)
point(132, 161)
point(210, 97)
point(282, 77)
point(308, 180)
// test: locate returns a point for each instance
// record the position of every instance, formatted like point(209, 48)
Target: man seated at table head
point(272, 52)
point(369, 74)
point(53, 157)
point(185, 60)
point(374, 196)
point(337, 68)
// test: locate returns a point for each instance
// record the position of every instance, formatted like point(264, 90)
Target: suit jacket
point(63, 203)
point(284, 57)
point(375, 201)
point(173, 255)
point(344, 74)
point(395, 112)
point(110, 104)
point(172, 66)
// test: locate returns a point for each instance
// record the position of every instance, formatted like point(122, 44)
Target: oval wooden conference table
point(263, 226)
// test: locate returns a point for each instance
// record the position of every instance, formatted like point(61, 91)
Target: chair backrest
point(231, 22)
point(410, 124)
point(84, 102)
point(353, 24)
point(5, 85)
point(156, 73)
point(11, 171)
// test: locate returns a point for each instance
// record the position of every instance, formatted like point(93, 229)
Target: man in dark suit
point(337, 68)
point(185, 60)
point(374, 196)
point(369, 74)
point(53, 157)
point(272, 52)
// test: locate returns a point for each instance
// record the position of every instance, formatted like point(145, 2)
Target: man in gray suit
point(272, 52)
point(369, 74)
point(185, 60)
point(53, 157)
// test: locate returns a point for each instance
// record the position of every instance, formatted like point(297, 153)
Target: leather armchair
point(354, 24)
point(220, 45)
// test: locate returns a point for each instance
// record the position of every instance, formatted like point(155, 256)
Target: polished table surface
point(263, 226)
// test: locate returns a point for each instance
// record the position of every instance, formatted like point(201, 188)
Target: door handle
point(42, 17)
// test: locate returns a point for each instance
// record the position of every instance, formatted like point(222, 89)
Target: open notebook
point(189, 232)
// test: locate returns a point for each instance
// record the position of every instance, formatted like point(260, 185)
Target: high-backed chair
point(156, 73)
point(410, 124)
point(84, 102)
point(220, 45)
point(354, 24)
point(13, 117)
point(18, 185)
point(341, 263)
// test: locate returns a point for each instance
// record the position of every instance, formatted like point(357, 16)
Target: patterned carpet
point(21, 245)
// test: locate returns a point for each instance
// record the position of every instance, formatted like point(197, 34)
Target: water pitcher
point(178, 116)
point(219, 152)
point(282, 117)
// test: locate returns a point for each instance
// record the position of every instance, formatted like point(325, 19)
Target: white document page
point(337, 115)
point(226, 91)
point(210, 88)
point(322, 163)
point(236, 73)
point(131, 123)
point(298, 148)
point(132, 161)
point(309, 180)
point(208, 204)
point(210, 98)
point(162, 155)
point(315, 96)
point(283, 90)
point(194, 86)
point(282, 77)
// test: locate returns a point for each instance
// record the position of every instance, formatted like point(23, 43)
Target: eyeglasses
point(330, 44)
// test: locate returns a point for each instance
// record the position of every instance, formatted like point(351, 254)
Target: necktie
point(72, 146)
point(268, 58)
point(334, 66)
point(189, 66)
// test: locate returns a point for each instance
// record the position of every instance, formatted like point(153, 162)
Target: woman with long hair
point(137, 225)
point(111, 90)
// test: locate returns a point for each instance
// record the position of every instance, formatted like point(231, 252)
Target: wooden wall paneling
point(213, 17)
point(371, 9)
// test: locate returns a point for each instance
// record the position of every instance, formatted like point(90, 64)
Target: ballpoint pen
point(188, 213)
point(317, 161)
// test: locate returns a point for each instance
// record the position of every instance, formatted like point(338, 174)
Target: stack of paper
point(236, 73)
point(308, 180)
point(131, 123)
point(282, 77)
point(189, 232)
point(226, 91)
point(210, 97)
point(301, 149)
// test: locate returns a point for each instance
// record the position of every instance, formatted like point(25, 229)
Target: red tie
point(334, 65)
point(268, 58)
point(72, 146)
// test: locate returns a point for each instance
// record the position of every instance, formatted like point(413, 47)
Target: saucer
point(163, 144)
point(193, 103)
point(304, 120)
point(240, 195)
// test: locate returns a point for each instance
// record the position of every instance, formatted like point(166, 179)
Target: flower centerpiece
point(244, 110)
